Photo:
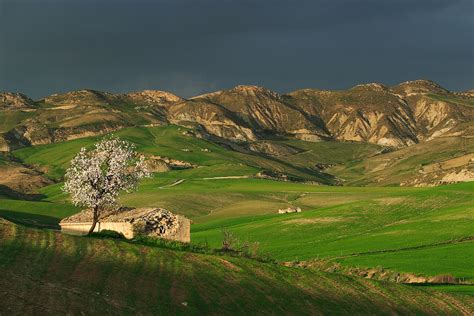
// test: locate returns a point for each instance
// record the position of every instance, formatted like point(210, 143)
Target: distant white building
point(289, 210)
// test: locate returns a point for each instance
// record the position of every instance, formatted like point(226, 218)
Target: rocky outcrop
point(168, 163)
point(415, 87)
point(38, 134)
point(273, 149)
point(15, 101)
point(153, 97)
point(399, 116)
point(463, 175)
point(157, 223)
point(84, 97)
point(215, 119)
point(454, 170)
point(266, 112)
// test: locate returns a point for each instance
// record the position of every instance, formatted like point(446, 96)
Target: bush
point(232, 245)
point(229, 241)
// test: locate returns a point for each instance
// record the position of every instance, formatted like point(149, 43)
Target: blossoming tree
point(97, 176)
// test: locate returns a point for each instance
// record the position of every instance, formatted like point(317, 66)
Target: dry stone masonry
point(153, 222)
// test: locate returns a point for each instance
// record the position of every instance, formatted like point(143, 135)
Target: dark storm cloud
point(194, 46)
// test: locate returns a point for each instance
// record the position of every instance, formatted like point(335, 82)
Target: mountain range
point(396, 117)
point(416, 133)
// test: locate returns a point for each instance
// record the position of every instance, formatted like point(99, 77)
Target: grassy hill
point(425, 163)
point(402, 230)
point(424, 231)
point(353, 226)
point(427, 231)
point(169, 141)
point(46, 272)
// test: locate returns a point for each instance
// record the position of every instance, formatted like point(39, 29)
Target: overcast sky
point(193, 46)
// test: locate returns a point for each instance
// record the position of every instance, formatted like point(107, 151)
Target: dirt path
point(172, 184)
point(227, 177)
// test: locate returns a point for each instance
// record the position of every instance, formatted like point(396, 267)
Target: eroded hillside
point(255, 120)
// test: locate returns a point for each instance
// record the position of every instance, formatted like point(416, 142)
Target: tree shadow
point(9, 193)
point(30, 220)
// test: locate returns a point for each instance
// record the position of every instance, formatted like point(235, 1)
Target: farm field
point(364, 227)
point(424, 231)
point(132, 278)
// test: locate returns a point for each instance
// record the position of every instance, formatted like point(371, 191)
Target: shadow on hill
point(9, 193)
point(30, 220)
point(74, 274)
point(322, 177)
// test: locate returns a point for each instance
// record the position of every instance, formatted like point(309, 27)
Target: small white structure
point(289, 210)
point(153, 222)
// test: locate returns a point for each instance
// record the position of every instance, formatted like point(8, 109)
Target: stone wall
point(182, 234)
point(83, 228)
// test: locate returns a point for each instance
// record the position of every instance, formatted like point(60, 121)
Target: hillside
point(262, 125)
point(398, 116)
point(439, 161)
point(420, 231)
point(46, 272)
point(360, 163)
point(443, 160)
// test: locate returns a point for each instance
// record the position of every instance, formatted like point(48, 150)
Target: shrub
point(229, 241)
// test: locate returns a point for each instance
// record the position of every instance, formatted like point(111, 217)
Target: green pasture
point(405, 229)
point(46, 272)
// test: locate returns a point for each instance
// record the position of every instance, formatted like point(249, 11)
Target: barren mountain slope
point(266, 112)
point(400, 116)
point(84, 113)
point(364, 113)
point(10, 100)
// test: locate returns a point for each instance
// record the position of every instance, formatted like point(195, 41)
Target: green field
point(425, 231)
point(35, 213)
point(346, 225)
point(169, 141)
point(50, 273)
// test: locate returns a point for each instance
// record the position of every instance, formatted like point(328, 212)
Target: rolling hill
point(256, 121)
point(351, 226)
point(46, 272)
point(383, 176)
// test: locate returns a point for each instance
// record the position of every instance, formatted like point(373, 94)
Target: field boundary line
point(449, 242)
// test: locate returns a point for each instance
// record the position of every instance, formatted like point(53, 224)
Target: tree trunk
point(95, 219)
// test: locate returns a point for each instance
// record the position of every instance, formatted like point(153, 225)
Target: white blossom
point(96, 177)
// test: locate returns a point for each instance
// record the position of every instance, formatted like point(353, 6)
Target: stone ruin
point(161, 223)
point(152, 222)
point(289, 210)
